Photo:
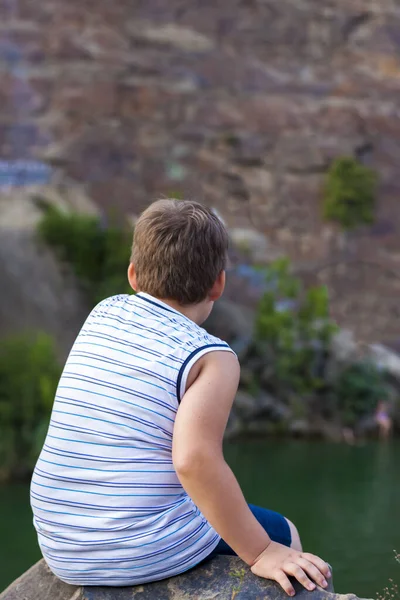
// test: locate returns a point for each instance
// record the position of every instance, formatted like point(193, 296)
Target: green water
point(344, 500)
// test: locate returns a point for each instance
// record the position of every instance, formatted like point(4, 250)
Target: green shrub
point(357, 391)
point(29, 374)
point(350, 193)
point(98, 255)
point(293, 332)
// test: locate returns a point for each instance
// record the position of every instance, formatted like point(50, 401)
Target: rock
point(71, 198)
point(173, 35)
point(300, 427)
point(261, 405)
point(234, 427)
point(222, 578)
point(344, 347)
point(385, 359)
point(262, 428)
point(366, 426)
point(40, 293)
point(253, 244)
point(261, 95)
point(269, 406)
point(245, 404)
point(233, 323)
point(329, 431)
point(267, 373)
point(246, 374)
point(344, 351)
point(39, 583)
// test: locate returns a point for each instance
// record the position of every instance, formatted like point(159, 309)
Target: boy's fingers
point(294, 569)
point(284, 582)
point(318, 562)
point(312, 571)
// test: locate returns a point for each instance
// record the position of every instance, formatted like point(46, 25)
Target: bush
point(29, 374)
point(99, 255)
point(293, 332)
point(357, 391)
point(291, 353)
point(350, 193)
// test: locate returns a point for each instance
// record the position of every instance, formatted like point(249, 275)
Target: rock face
point(222, 578)
point(233, 323)
point(39, 583)
point(240, 104)
point(38, 293)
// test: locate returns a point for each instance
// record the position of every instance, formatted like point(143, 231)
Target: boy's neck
point(195, 312)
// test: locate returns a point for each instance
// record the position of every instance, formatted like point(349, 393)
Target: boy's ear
point(132, 277)
point(218, 288)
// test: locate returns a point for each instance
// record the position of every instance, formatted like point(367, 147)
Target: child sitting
point(131, 485)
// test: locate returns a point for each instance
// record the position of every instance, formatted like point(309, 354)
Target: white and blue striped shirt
point(108, 506)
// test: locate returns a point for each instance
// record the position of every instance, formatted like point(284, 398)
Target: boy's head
point(179, 251)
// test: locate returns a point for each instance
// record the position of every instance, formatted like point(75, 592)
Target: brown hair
point(179, 249)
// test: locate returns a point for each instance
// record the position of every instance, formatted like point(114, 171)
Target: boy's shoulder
point(170, 323)
point(209, 339)
point(175, 323)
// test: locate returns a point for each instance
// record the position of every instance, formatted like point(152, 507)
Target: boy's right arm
point(199, 462)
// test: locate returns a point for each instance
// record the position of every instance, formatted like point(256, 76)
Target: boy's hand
point(278, 561)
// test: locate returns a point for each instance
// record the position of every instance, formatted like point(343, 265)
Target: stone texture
point(233, 323)
point(386, 360)
point(242, 105)
point(222, 578)
point(261, 408)
point(39, 583)
point(344, 347)
point(39, 294)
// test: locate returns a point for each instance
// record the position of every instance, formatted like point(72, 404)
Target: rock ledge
point(222, 578)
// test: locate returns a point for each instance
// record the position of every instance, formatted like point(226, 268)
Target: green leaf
point(98, 255)
point(350, 193)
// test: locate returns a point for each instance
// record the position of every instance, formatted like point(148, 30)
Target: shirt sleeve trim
point(190, 361)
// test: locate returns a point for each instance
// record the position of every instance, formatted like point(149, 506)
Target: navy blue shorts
point(274, 524)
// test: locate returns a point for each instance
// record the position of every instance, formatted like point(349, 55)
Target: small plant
point(175, 194)
point(239, 575)
point(29, 375)
point(358, 390)
point(98, 254)
point(350, 193)
point(391, 591)
point(293, 331)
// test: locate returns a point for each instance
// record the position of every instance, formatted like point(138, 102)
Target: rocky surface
point(240, 104)
point(261, 410)
point(37, 292)
point(42, 294)
point(222, 578)
point(39, 583)
point(232, 322)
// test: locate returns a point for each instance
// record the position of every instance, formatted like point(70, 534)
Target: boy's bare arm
point(198, 458)
point(200, 465)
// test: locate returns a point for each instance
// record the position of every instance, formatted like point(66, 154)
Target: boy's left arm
point(199, 462)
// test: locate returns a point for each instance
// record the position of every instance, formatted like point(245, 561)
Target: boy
point(131, 485)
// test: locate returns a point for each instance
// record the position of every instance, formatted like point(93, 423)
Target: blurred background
point(281, 115)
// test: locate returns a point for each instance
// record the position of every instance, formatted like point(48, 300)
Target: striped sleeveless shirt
point(108, 506)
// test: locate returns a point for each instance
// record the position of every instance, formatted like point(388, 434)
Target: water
point(18, 547)
point(344, 500)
